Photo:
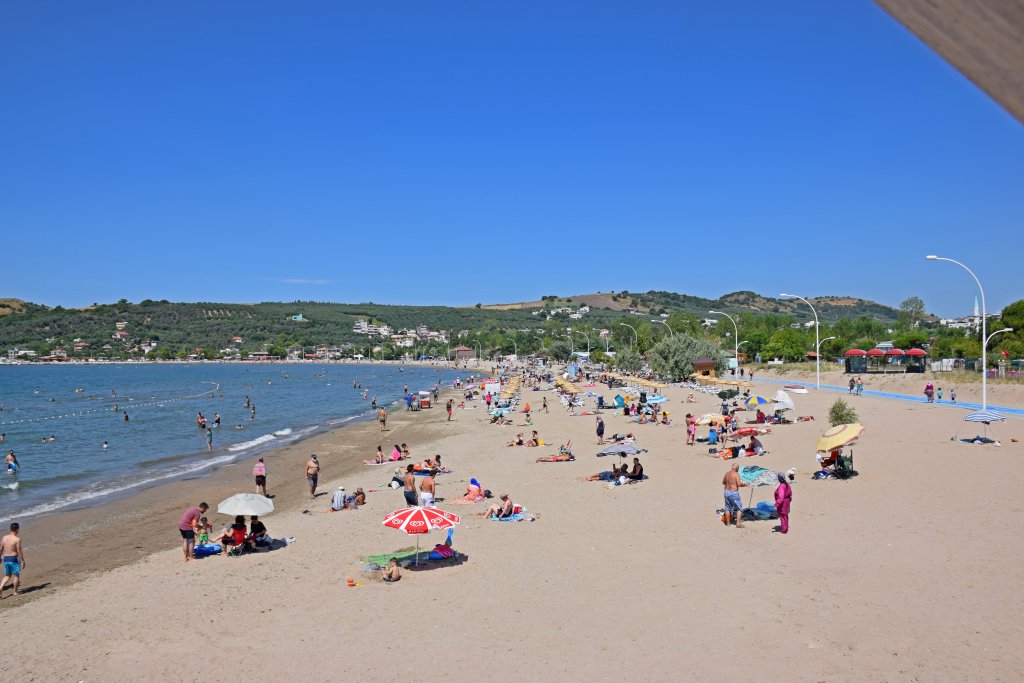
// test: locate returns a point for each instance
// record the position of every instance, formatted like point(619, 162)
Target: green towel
point(386, 557)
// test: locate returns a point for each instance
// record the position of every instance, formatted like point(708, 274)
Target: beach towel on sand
point(521, 516)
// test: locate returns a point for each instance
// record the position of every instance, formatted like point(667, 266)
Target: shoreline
point(130, 526)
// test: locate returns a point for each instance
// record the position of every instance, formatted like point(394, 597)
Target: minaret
point(977, 315)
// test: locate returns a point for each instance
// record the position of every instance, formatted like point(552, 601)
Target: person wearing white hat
point(338, 500)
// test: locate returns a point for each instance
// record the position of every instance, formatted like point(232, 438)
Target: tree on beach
point(841, 413)
point(673, 356)
point(628, 360)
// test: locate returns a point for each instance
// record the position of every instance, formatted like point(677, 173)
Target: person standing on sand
point(853, 385)
point(187, 526)
point(783, 497)
point(732, 483)
point(952, 395)
point(409, 486)
point(600, 430)
point(259, 473)
point(13, 558)
point(448, 407)
point(427, 489)
point(544, 403)
point(860, 385)
point(312, 474)
point(382, 418)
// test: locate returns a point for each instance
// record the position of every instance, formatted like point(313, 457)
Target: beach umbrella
point(782, 401)
point(756, 476)
point(755, 401)
point(840, 435)
point(986, 416)
point(420, 520)
point(727, 394)
point(920, 353)
point(750, 431)
point(245, 504)
point(709, 418)
point(855, 352)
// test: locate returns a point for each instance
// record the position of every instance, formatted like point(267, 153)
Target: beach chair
point(843, 467)
point(235, 545)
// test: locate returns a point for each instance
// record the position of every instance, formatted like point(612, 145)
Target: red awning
point(895, 352)
point(855, 352)
point(917, 352)
point(876, 352)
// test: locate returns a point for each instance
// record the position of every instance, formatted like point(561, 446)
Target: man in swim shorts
point(409, 486)
point(731, 483)
point(382, 418)
point(187, 527)
point(427, 489)
point(13, 558)
point(259, 473)
point(312, 474)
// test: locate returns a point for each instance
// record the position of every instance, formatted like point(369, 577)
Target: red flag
point(1006, 354)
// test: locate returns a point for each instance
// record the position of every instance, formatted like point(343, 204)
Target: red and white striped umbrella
point(420, 520)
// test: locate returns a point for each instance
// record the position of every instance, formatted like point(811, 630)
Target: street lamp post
point(817, 361)
point(636, 339)
point(572, 345)
point(984, 329)
point(817, 348)
point(736, 339)
point(670, 331)
point(588, 340)
point(1005, 329)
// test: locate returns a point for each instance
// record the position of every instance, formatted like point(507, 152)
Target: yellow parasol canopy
point(840, 435)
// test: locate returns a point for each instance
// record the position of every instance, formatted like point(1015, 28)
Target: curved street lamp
point(636, 338)
point(817, 361)
point(588, 339)
point(817, 348)
point(984, 329)
point(670, 331)
point(736, 339)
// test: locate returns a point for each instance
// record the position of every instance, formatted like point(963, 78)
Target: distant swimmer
point(51, 438)
point(3, 437)
point(126, 416)
point(247, 402)
point(239, 426)
point(106, 445)
point(253, 413)
point(209, 439)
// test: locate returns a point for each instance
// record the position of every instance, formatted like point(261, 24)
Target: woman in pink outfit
point(783, 497)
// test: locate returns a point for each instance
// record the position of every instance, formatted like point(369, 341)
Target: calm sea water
point(161, 440)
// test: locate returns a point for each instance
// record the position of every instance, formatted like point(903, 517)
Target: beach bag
point(488, 494)
point(445, 551)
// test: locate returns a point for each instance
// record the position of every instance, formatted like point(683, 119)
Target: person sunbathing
point(606, 476)
point(396, 454)
point(664, 418)
point(534, 440)
point(406, 453)
point(518, 441)
point(561, 457)
point(474, 493)
point(435, 464)
point(690, 398)
point(501, 510)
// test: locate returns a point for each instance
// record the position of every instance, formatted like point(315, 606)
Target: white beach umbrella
point(245, 504)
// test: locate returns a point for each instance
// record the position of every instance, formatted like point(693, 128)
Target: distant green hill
point(185, 326)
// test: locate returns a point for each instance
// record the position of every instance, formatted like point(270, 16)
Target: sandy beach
point(902, 573)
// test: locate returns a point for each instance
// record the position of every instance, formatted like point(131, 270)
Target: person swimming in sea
point(12, 462)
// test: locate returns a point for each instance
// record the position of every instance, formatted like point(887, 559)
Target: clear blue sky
point(456, 152)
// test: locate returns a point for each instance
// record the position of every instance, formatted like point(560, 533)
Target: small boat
point(795, 388)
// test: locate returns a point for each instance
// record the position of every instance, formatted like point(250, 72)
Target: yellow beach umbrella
point(840, 435)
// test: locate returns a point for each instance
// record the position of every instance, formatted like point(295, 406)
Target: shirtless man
point(427, 489)
point(732, 483)
point(409, 486)
point(312, 474)
point(504, 509)
point(13, 558)
point(382, 418)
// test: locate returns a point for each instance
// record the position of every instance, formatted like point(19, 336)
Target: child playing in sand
point(391, 573)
